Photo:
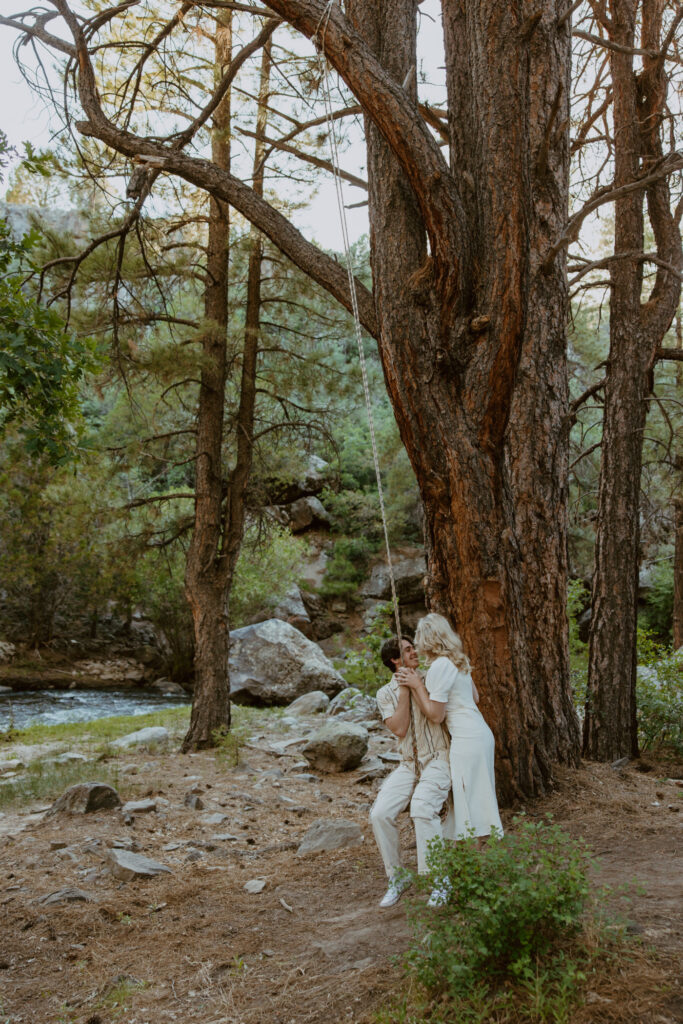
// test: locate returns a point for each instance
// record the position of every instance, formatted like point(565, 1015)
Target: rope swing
point(319, 39)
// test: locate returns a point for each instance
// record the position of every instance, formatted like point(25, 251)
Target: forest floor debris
point(310, 946)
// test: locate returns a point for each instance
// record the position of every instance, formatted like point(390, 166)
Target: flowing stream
point(49, 707)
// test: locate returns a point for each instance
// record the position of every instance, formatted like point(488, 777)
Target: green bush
point(659, 695)
point(578, 597)
point(511, 936)
point(657, 616)
point(347, 567)
point(362, 667)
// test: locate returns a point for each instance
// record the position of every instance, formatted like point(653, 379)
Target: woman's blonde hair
point(435, 638)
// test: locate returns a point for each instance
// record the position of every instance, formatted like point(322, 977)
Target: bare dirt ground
point(312, 947)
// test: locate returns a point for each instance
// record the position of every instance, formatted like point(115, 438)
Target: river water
point(49, 707)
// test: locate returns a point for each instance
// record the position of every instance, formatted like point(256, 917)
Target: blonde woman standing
point(448, 693)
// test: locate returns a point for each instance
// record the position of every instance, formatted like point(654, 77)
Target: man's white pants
point(426, 796)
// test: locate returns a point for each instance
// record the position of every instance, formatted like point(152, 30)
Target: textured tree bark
point(476, 371)
point(636, 332)
point(678, 576)
point(207, 571)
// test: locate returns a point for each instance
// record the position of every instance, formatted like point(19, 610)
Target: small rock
point(214, 819)
point(225, 837)
point(85, 798)
point(139, 807)
point(330, 835)
point(67, 895)
point(126, 865)
point(125, 843)
point(129, 769)
point(153, 734)
point(194, 802)
point(311, 703)
point(255, 885)
point(13, 765)
point(58, 844)
point(337, 747)
point(69, 757)
point(621, 763)
point(194, 855)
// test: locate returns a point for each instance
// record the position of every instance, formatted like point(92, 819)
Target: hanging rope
point(319, 39)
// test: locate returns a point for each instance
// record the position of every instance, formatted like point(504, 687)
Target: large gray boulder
point(86, 798)
point(337, 747)
point(332, 834)
point(409, 573)
point(271, 662)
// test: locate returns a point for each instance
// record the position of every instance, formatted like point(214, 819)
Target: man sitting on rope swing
point(422, 779)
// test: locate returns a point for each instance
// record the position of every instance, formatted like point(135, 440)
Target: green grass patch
point(99, 730)
point(43, 780)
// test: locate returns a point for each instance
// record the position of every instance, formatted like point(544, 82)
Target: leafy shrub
point(363, 667)
point(518, 899)
point(266, 569)
point(578, 598)
point(659, 695)
point(511, 942)
point(657, 616)
point(347, 567)
point(354, 512)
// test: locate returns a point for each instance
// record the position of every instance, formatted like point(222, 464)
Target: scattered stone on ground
point(139, 807)
point(126, 865)
point(86, 798)
point(152, 734)
point(255, 885)
point(66, 895)
point(193, 801)
point(337, 747)
point(332, 834)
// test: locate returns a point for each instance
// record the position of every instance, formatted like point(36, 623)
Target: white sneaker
point(440, 894)
point(394, 892)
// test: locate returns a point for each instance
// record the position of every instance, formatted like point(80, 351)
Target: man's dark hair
point(391, 651)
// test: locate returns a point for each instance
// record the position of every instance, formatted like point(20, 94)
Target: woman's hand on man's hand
point(408, 677)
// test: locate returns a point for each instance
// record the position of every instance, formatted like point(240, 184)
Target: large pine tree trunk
point(636, 331)
point(477, 376)
point(205, 573)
